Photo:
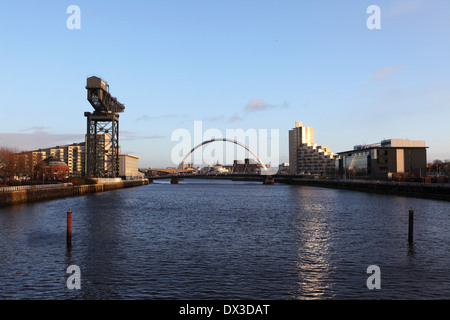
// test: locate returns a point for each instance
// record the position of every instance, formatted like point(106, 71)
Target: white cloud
point(129, 135)
point(382, 73)
point(37, 140)
point(235, 117)
point(214, 119)
point(146, 117)
point(256, 105)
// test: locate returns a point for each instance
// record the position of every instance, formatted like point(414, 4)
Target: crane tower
point(102, 137)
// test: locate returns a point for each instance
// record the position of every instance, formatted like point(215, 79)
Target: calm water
point(226, 240)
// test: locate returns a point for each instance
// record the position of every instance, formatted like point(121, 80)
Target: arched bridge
point(268, 179)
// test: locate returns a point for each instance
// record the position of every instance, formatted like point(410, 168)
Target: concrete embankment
point(35, 194)
point(437, 191)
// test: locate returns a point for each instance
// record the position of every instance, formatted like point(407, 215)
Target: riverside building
point(401, 157)
point(305, 156)
point(72, 155)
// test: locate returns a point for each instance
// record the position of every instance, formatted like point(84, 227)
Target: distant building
point(246, 166)
point(187, 165)
point(129, 168)
point(214, 169)
point(28, 164)
point(381, 160)
point(74, 155)
point(305, 156)
point(55, 169)
point(238, 166)
point(71, 154)
point(283, 168)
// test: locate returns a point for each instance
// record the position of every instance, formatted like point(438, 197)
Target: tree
point(439, 166)
point(38, 170)
point(7, 163)
point(446, 166)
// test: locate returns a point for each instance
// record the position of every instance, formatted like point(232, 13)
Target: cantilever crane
point(102, 138)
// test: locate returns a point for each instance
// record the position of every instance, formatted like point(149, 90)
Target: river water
point(209, 239)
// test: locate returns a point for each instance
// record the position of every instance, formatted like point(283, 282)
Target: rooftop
point(393, 143)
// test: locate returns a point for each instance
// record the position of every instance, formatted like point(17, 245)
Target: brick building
point(54, 169)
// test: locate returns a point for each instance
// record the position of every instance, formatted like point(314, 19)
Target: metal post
point(69, 228)
point(411, 226)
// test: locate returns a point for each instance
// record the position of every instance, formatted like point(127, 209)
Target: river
point(209, 239)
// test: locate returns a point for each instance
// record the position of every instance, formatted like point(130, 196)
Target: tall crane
point(102, 137)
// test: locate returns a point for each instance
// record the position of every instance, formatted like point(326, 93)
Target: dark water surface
point(206, 239)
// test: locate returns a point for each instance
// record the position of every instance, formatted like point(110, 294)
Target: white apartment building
point(305, 156)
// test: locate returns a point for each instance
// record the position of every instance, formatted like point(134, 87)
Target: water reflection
point(411, 250)
point(313, 239)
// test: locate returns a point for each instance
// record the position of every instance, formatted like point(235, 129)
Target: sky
point(231, 65)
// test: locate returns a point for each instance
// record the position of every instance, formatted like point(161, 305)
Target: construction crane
point(102, 137)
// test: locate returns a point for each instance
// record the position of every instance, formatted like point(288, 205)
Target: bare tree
point(7, 164)
point(439, 166)
point(446, 166)
point(38, 170)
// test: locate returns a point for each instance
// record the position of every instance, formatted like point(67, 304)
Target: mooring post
point(411, 226)
point(268, 180)
point(69, 228)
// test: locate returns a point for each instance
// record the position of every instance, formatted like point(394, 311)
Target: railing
point(107, 180)
point(38, 186)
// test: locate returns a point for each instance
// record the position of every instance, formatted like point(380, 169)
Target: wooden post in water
point(411, 226)
point(69, 228)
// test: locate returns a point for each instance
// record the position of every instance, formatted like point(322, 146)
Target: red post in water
point(69, 228)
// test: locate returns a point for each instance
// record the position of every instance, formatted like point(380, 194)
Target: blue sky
point(231, 64)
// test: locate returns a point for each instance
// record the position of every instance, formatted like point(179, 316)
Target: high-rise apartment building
point(305, 156)
point(72, 154)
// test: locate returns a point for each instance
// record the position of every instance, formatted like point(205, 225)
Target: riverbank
point(437, 191)
point(33, 193)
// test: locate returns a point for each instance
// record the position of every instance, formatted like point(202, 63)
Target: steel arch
point(224, 140)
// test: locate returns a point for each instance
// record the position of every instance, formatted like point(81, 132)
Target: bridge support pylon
point(268, 180)
point(174, 180)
